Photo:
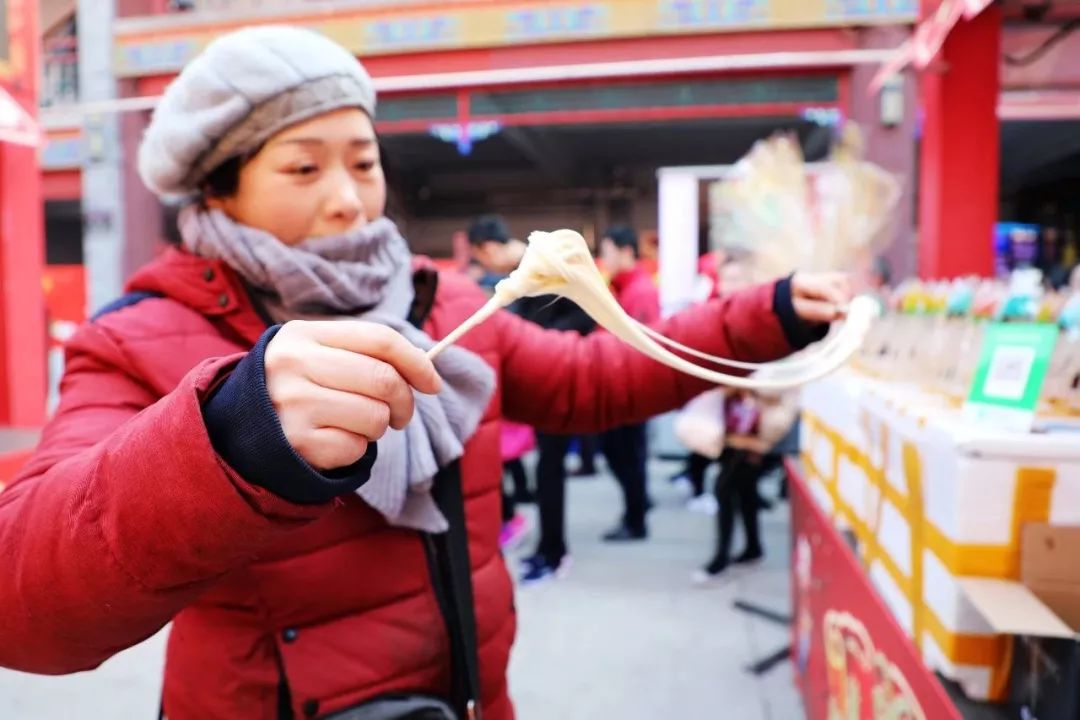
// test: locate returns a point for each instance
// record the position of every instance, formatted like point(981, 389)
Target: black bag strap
point(448, 553)
point(425, 284)
point(453, 572)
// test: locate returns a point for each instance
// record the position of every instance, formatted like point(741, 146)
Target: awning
point(925, 43)
point(17, 126)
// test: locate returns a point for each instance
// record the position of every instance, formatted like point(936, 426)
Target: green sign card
point(1012, 367)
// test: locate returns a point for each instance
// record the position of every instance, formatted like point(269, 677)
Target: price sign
point(1012, 367)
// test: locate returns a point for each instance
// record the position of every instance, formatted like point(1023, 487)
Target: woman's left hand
point(820, 297)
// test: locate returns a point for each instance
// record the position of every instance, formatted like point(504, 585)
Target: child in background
point(515, 442)
point(755, 423)
point(754, 426)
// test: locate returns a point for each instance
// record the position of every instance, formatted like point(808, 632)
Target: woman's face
point(319, 178)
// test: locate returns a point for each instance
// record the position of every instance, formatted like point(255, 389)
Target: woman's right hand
point(338, 385)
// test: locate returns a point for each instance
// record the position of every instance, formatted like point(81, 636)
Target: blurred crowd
point(749, 434)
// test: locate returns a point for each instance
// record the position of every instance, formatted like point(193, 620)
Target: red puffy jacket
point(125, 518)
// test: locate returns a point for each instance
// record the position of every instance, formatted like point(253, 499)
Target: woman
point(220, 455)
point(716, 270)
point(755, 424)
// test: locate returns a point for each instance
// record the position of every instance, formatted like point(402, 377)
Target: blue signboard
point(421, 31)
point(842, 10)
point(161, 56)
point(705, 14)
point(544, 22)
point(62, 153)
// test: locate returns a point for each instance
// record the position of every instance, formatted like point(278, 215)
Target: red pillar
point(22, 243)
point(959, 174)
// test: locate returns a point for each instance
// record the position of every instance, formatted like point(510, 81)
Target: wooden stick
point(493, 305)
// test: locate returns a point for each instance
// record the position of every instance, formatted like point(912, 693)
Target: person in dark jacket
point(626, 447)
point(495, 250)
point(247, 442)
point(490, 245)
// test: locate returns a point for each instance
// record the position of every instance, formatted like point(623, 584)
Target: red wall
point(960, 150)
point(892, 147)
point(22, 243)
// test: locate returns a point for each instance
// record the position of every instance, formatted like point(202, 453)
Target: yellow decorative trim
point(913, 513)
point(1034, 486)
point(964, 649)
point(1031, 503)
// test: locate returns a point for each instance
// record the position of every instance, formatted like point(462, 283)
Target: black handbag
point(405, 707)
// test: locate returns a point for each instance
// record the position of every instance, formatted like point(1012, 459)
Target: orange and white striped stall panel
point(932, 498)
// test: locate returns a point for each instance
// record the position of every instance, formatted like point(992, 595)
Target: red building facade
point(22, 310)
point(524, 107)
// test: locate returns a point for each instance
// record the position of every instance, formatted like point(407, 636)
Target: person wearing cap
point(251, 441)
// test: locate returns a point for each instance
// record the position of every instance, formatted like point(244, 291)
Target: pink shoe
point(513, 532)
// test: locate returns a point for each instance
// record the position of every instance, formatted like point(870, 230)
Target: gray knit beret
point(242, 89)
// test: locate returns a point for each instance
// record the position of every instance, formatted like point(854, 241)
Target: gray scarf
point(366, 274)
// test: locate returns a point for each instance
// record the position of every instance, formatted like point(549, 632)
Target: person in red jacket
point(631, 283)
point(250, 442)
point(626, 447)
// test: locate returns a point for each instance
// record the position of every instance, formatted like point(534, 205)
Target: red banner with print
point(852, 660)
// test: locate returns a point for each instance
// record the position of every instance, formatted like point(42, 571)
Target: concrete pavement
point(627, 636)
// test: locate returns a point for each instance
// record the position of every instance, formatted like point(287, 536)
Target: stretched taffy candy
point(559, 263)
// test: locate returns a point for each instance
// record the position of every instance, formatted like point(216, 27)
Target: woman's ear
point(213, 203)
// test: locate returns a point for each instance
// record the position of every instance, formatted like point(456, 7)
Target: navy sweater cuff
point(245, 431)
point(798, 332)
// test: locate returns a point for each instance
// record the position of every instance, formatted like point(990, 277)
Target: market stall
point(936, 494)
point(951, 441)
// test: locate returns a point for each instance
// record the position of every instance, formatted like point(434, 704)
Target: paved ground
point(625, 637)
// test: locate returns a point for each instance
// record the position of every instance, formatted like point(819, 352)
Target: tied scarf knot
point(365, 274)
